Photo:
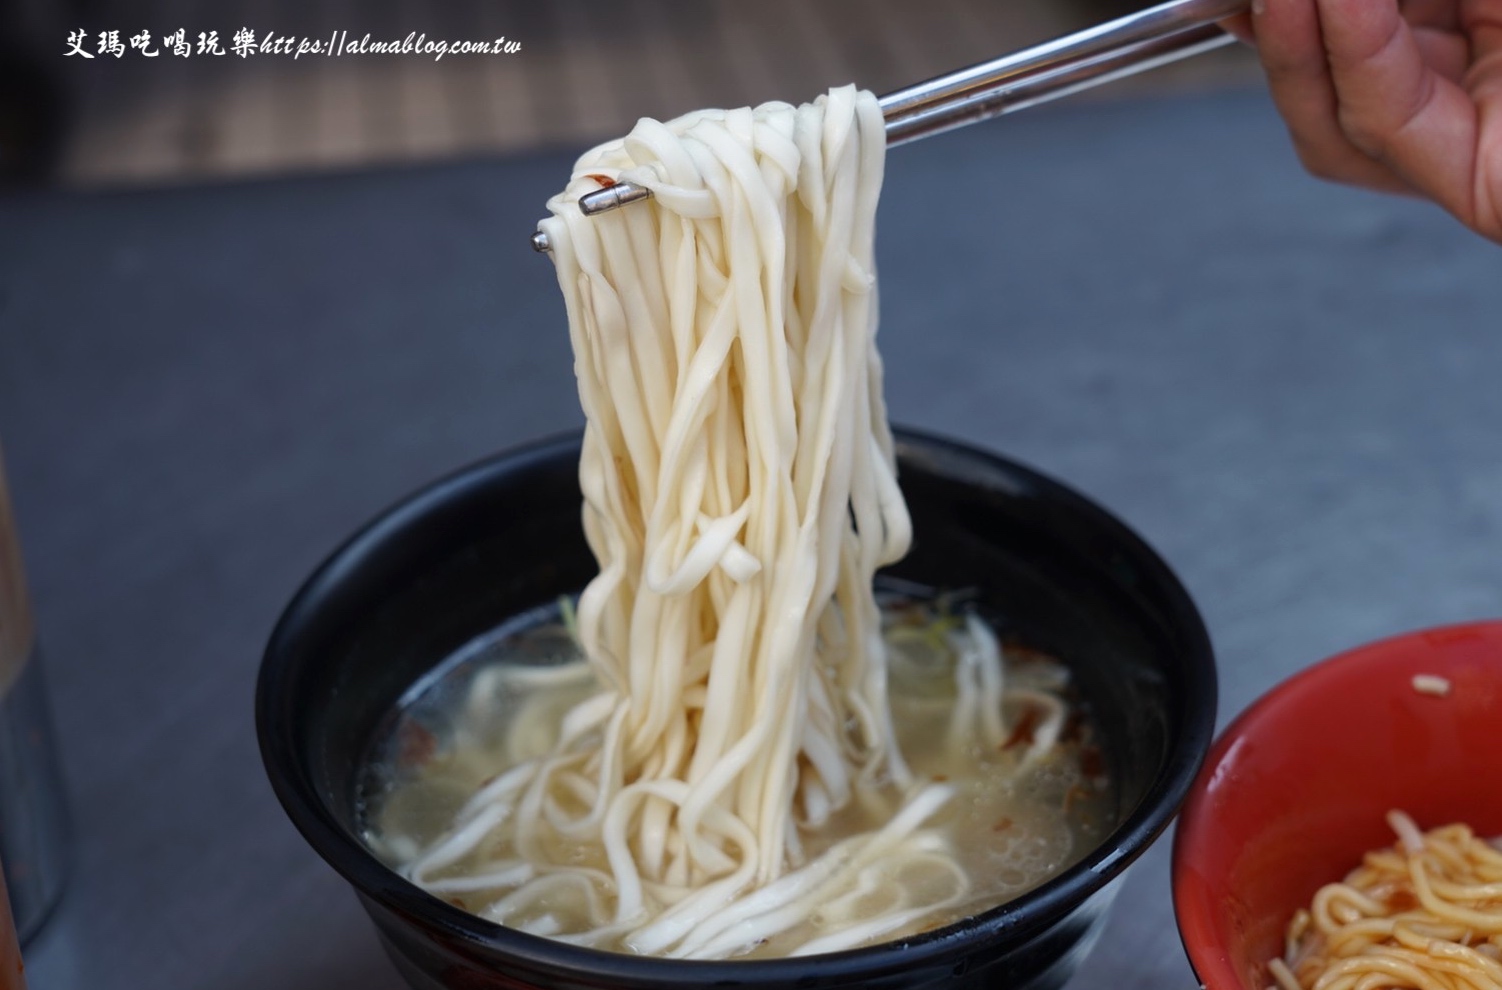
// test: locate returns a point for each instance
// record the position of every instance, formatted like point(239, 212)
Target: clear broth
point(1011, 829)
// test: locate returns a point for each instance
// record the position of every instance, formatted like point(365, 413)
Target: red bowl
point(1298, 787)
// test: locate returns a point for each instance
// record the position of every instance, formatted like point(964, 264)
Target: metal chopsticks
point(1110, 51)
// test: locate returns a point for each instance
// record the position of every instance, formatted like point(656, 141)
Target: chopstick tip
point(612, 198)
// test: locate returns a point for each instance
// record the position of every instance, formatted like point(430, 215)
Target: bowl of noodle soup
point(1049, 569)
point(1344, 830)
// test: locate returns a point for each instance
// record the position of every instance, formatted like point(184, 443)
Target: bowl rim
point(1209, 960)
point(1038, 908)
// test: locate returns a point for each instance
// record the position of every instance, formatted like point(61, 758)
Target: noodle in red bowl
point(1296, 795)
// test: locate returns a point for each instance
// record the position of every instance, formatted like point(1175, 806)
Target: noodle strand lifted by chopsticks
point(740, 493)
point(1426, 914)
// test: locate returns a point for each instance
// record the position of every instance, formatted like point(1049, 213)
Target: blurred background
point(207, 379)
point(587, 69)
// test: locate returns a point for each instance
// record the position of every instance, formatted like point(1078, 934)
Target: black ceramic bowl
point(503, 536)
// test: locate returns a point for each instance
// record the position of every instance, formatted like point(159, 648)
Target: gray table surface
point(1290, 389)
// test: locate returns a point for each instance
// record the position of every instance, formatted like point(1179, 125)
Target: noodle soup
point(724, 747)
point(424, 583)
point(1029, 793)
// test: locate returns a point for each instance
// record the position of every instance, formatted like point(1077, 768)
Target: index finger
point(1395, 107)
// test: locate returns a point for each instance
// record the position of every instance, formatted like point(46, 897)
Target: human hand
point(1402, 96)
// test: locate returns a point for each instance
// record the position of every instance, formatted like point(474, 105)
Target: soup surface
point(1021, 812)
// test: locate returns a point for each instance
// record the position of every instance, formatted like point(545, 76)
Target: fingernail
point(1259, 7)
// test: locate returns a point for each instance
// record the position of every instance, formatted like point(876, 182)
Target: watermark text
point(245, 43)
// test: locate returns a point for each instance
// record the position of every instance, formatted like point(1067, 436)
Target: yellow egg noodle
point(1425, 914)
